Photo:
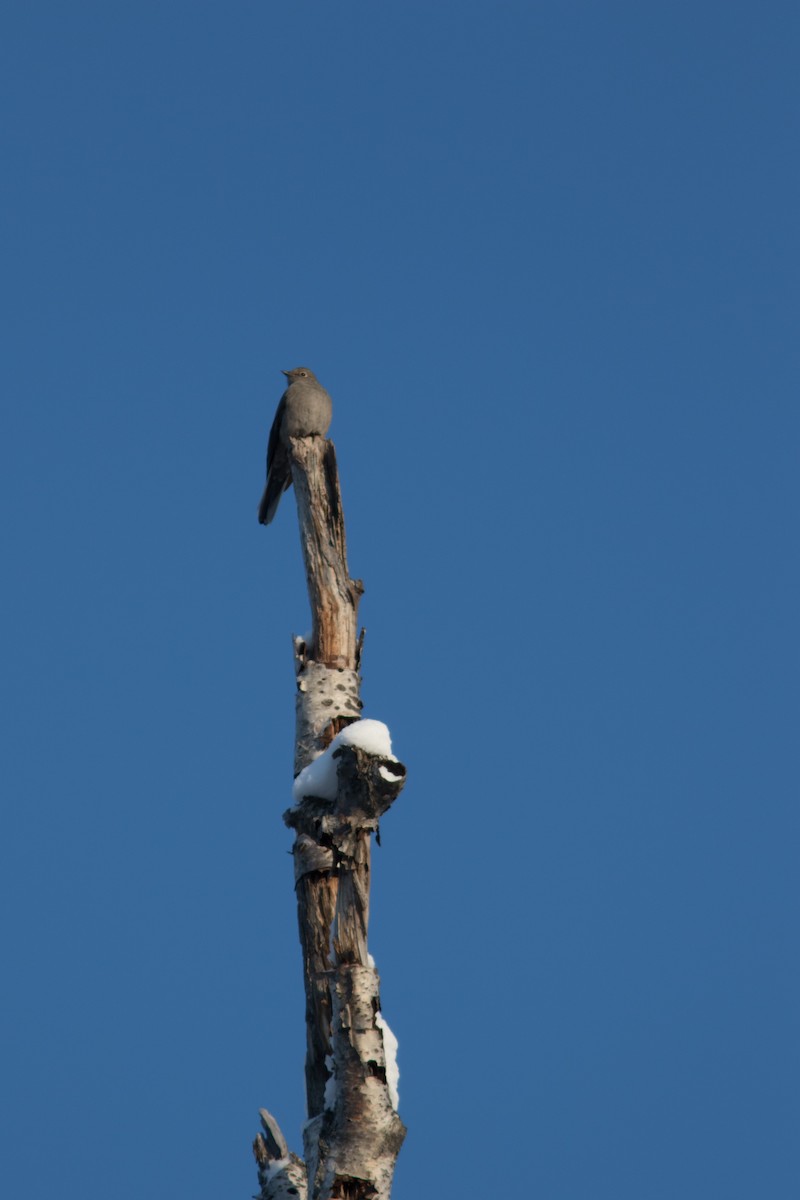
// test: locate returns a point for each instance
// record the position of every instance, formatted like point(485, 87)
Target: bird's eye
point(304, 373)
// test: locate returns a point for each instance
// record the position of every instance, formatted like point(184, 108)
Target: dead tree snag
point(353, 1134)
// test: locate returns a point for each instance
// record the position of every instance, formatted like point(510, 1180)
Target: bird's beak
point(286, 373)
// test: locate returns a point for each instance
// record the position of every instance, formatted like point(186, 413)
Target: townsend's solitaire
point(305, 408)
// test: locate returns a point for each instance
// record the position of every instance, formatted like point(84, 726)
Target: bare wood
point(332, 593)
point(274, 1142)
point(316, 906)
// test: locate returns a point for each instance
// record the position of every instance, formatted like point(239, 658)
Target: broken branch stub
point(281, 1174)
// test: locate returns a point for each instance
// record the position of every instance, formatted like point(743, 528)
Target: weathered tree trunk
point(353, 1134)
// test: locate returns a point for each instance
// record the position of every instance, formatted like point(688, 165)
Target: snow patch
point(390, 1054)
point(372, 736)
point(319, 777)
point(271, 1169)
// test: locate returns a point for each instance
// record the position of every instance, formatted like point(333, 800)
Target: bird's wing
point(275, 433)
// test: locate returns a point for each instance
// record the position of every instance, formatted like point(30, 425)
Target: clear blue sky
point(545, 258)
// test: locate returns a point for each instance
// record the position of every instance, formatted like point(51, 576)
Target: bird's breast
point(308, 410)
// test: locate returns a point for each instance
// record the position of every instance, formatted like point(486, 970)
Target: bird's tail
point(271, 499)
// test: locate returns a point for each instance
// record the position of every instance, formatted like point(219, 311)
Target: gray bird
point(305, 408)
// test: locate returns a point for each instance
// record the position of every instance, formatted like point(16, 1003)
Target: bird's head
point(300, 373)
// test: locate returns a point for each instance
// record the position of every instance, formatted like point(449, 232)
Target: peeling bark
point(353, 1135)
